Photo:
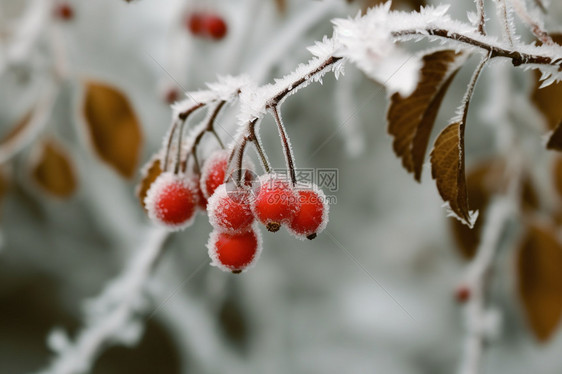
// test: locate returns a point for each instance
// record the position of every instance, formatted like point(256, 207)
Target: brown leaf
point(447, 168)
point(540, 279)
point(149, 172)
point(411, 119)
point(53, 171)
point(548, 99)
point(113, 127)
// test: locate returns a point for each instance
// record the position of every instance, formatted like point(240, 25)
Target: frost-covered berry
point(215, 26)
point(171, 201)
point(312, 214)
point(230, 209)
point(234, 252)
point(276, 202)
point(63, 11)
point(213, 172)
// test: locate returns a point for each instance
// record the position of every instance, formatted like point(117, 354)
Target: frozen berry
point(171, 201)
point(230, 210)
point(234, 252)
point(213, 172)
point(214, 26)
point(312, 215)
point(276, 202)
point(64, 11)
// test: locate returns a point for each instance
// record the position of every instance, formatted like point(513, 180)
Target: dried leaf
point(411, 119)
point(447, 168)
point(113, 126)
point(53, 171)
point(150, 171)
point(540, 279)
point(548, 99)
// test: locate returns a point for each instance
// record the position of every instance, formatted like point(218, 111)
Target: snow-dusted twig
point(534, 23)
point(506, 21)
point(114, 316)
point(480, 16)
point(480, 321)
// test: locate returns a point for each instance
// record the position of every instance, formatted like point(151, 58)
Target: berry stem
point(182, 118)
point(289, 158)
point(209, 128)
point(257, 144)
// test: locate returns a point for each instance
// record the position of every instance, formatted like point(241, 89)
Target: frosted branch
point(534, 23)
point(113, 317)
point(481, 322)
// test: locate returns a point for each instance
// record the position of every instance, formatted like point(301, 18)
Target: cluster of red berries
point(233, 209)
point(206, 25)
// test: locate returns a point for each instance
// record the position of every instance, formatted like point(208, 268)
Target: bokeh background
point(374, 294)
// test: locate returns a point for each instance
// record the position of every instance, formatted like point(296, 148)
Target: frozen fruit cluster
point(235, 209)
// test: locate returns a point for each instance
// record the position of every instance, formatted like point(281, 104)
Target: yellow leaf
point(113, 127)
point(53, 171)
point(540, 279)
point(410, 119)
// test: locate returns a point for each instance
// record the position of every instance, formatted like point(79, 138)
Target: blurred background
point(378, 292)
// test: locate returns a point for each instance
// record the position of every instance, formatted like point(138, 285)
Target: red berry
point(462, 294)
point(215, 26)
point(171, 201)
point(276, 202)
point(230, 210)
point(234, 252)
point(64, 11)
point(194, 23)
point(213, 172)
point(312, 215)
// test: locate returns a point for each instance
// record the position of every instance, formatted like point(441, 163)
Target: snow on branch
point(115, 316)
